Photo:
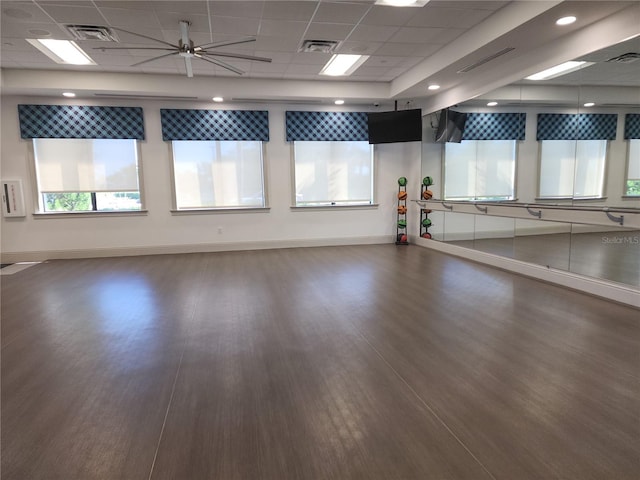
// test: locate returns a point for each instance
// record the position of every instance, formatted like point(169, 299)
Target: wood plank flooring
point(360, 362)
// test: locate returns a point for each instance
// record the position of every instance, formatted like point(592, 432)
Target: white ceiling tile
point(391, 16)
point(383, 61)
point(76, 15)
point(282, 28)
point(261, 67)
point(277, 57)
point(359, 48)
point(291, 10)
point(176, 6)
point(34, 30)
point(244, 9)
point(238, 26)
point(332, 12)
point(408, 49)
point(278, 44)
point(448, 17)
point(311, 58)
point(492, 5)
point(364, 70)
point(373, 33)
point(328, 31)
point(129, 18)
point(304, 69)
point(424, 35)
point(19, 12)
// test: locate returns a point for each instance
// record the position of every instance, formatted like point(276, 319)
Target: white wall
point(160, 231)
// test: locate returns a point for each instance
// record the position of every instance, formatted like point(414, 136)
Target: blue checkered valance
point(75, 121)
point(632, 126)
point(327, 126)
point(214, 125)
point(494, 126)
point(582, 126)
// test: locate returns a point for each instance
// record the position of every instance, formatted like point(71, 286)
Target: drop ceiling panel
point(448, 17)
point(237, 9)
point(282, 28)
point(379, 15)
point(378, 33)
point(75, 14)
point(130, 18)
point(328, 31)
point(340, 12)
point(22, 12)
point(170, 20)
point(294, 10)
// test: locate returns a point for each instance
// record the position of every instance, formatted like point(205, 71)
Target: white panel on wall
point(12, 199)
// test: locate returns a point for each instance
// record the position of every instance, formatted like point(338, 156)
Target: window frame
point(38, 196)
point(332, 206)
point(175, 210)
point(625, 191)
point(514, 196)
point(573, 197)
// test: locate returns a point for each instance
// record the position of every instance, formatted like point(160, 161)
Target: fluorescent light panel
point(559, 70)
point(62, 51)
point(343, 65)
point(402, 3)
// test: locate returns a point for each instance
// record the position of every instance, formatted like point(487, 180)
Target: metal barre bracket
point(448, 207)
point(483, 210)
point(615, 219)
point(535, 214)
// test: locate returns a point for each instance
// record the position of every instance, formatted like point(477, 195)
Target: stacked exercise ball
point(427, 181)
point(402, 224)
point(402, 209)
point(402, 195)
point(402, 181)
point(427, 194)
point(426, 223)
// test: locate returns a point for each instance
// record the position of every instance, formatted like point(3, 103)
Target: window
point(572, 168)
point(76, 175)
point(480, 170)
point(218, 174)
point(333, 173)
point(633, 169)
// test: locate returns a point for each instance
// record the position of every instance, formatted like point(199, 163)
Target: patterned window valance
point(632, 126)
point(327, 126)
point(582, 126)
point(494, 126)
point(214, 125)
point(75, 121)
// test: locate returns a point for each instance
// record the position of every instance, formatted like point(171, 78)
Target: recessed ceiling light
point(402, 3)
point(566, 20)
point(69, 94)
point(433, 87)
point(218, 99)
point(339, 102)
point(343, 65)
point(492, 104)
point(62, 51)
point(562, 69)
point(589, 104)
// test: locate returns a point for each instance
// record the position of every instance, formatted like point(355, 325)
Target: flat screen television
point(450, 126)
point(396, 126)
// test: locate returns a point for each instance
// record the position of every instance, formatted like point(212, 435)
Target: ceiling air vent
point(318, 46)
point(475, 65)
point(625, 58)
point(91, 32)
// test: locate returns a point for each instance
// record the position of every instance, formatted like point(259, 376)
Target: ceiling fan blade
point(220, 63)
point(144, 36)
point(189, 68)
point(236, 55)
point(224, 44)
point(154, 58)
point(134, 48)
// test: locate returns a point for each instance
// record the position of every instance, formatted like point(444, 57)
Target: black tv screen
point(397, 126)
point(450, 126)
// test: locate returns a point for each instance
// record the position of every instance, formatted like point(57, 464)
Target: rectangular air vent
point(318, 46)
point(91, 32)
point(479, 63)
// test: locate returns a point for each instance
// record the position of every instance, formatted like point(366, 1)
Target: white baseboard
point(39, 256)
point(594, 286)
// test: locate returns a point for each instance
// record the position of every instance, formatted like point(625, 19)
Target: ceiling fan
point(187, 50)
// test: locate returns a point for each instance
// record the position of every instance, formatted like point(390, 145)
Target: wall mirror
point(581, 150)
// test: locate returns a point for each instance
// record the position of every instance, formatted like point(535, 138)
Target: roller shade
point(327, 126)
point(76, 121)
point(178, 124)
point(582, 126)
point(494, 126)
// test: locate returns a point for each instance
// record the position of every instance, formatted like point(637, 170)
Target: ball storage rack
point(401, 223)
point(425, 194)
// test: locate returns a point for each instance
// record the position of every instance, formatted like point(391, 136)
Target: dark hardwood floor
point(361, 362)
